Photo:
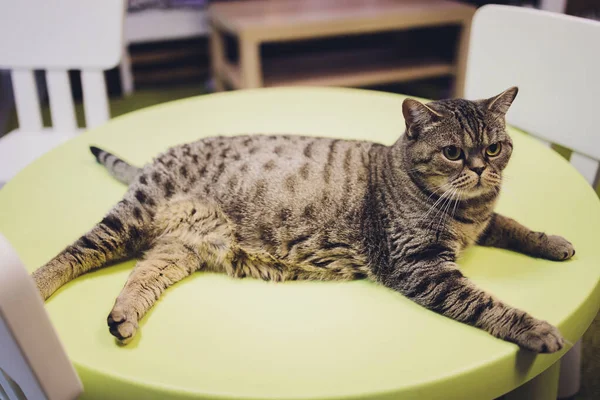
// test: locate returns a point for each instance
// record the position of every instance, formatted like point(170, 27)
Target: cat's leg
point(437, 284)
point(162, 266)
point(194, 236)
point(122, 233)
point(507, 233)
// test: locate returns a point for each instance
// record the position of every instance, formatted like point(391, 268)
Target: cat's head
point(458, 145)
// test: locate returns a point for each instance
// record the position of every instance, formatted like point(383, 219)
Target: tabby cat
point(284, 208)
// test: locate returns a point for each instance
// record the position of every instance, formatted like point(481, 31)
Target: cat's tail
point(119, 169)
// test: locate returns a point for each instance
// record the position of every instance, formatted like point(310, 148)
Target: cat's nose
point(477, 170)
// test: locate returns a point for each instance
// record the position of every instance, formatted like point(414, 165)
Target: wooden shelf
point(284, 20)
point(349, 68)
point(166, 75)
point(167, 55)
point(260, 23)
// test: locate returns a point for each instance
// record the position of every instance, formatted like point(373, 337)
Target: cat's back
point(289, 195)
point(276, 176)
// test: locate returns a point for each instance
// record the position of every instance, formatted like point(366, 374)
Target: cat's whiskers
point(456, 202)
point(443, 204)
point(434, 206)
point(454, 197)
point(433, 218)
point(445, 185)
point(444, 210)
point(439, 198)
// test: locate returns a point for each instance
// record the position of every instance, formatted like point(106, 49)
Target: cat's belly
point(303, 256)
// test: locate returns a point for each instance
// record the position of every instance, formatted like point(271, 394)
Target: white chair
point(554, 60)
point(33, 363)
point(55, 36)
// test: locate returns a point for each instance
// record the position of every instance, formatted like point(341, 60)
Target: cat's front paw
point(122, 323)
point(555, 248)
point(540, 337)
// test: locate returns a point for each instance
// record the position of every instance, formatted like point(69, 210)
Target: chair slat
point(61, 101)
point(588, 167)
point(95, 100)
point(3, 394)
point(8, 387)
point(27, 100)
point(7, 390)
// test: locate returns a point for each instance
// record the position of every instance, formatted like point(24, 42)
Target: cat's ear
point(501, 103)
point(416, 115)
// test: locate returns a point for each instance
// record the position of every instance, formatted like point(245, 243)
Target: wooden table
point(255, 23)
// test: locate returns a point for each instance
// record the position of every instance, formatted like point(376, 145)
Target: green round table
point(211, 336)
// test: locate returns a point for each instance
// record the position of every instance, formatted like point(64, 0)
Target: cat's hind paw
point(122, 325)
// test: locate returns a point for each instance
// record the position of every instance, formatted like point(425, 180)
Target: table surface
point(214, 337)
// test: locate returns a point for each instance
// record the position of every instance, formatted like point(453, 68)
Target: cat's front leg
point(437, 284)
point(507, 233)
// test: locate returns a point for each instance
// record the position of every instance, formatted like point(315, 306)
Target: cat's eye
point(493, 150)
point(452, 153)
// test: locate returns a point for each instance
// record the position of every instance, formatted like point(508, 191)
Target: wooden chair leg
point(250, 65)
point(217, 55)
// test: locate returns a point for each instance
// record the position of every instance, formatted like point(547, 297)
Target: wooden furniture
point(255, 23)
point(214, 337)
point(157, 25)
point(33, 363)
point(36, 35)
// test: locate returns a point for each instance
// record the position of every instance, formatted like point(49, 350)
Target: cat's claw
point(541, 338)
point(122, 325)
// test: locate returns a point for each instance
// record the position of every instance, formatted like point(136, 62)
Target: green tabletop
point(211, 336)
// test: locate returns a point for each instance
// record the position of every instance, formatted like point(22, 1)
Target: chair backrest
point(58, 36)
point(33, 363)
point(554, 59)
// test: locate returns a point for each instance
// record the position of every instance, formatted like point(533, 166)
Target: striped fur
point(291, 207)
point(119, 169)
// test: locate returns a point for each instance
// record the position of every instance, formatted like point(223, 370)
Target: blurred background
point(168, 56)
